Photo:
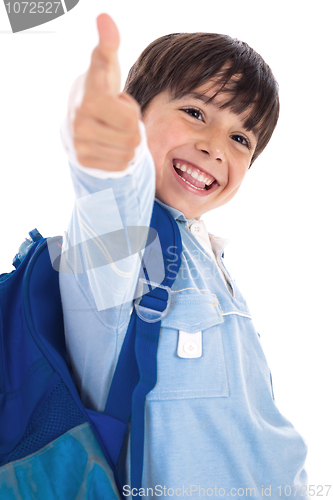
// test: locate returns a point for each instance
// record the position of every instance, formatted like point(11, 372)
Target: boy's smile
point(201, 152)
point(194, 176)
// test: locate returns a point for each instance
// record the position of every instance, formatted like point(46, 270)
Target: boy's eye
point(196, 113)
point(242, 140)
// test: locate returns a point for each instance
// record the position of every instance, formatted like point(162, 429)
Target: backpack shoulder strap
point(136, 371)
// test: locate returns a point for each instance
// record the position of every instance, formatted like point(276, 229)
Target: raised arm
point(114, 182)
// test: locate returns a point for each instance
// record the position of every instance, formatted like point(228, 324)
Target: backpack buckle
point(144, 313)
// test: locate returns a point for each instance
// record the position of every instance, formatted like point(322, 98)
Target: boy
point(208, 105)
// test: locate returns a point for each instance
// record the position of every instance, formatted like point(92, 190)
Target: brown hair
point(181, 62)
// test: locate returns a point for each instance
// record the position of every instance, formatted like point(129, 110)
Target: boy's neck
point(177, 214)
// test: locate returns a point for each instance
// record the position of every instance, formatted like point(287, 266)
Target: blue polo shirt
point(212, 425)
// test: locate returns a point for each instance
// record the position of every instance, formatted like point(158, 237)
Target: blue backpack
point(51, 446)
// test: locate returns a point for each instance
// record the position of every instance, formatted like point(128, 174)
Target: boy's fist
point(105, 125)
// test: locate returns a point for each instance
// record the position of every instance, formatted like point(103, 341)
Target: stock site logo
point(27, 14)
point(117, 263)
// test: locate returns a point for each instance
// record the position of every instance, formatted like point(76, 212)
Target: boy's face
point(201, 152)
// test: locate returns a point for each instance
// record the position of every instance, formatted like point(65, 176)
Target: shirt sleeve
point(101, 259)
point(99, 270)
point(100, 239)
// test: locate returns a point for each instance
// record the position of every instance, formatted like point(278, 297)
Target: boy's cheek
point(165, 134)
point(230, 196)
point(235, 180)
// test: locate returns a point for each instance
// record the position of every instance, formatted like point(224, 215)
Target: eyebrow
point(205, 99)
point(198, 96)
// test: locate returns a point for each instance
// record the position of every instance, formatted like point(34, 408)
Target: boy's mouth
point(194, 176)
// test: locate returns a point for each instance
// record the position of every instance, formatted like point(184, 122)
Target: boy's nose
point(211, 148)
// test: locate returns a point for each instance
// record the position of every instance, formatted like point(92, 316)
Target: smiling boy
point(201, 152)
point(208, 106)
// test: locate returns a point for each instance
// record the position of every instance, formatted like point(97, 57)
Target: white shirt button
point(190, 347)
point(189, 344)
point(196, 228)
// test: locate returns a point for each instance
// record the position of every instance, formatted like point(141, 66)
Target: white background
point(280, 223)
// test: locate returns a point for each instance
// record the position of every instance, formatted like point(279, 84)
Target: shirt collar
point(176, 214)
point(218, 244)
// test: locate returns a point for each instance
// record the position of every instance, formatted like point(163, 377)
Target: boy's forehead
point(217, 88)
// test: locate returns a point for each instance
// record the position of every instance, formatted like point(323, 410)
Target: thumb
point(104, 71)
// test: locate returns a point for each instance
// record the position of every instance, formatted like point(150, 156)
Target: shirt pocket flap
point(193, 312)
point(195, 377)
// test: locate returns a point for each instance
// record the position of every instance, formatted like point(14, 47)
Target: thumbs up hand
point(105, 126)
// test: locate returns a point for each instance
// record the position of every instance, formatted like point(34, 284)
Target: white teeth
point(194, 174)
